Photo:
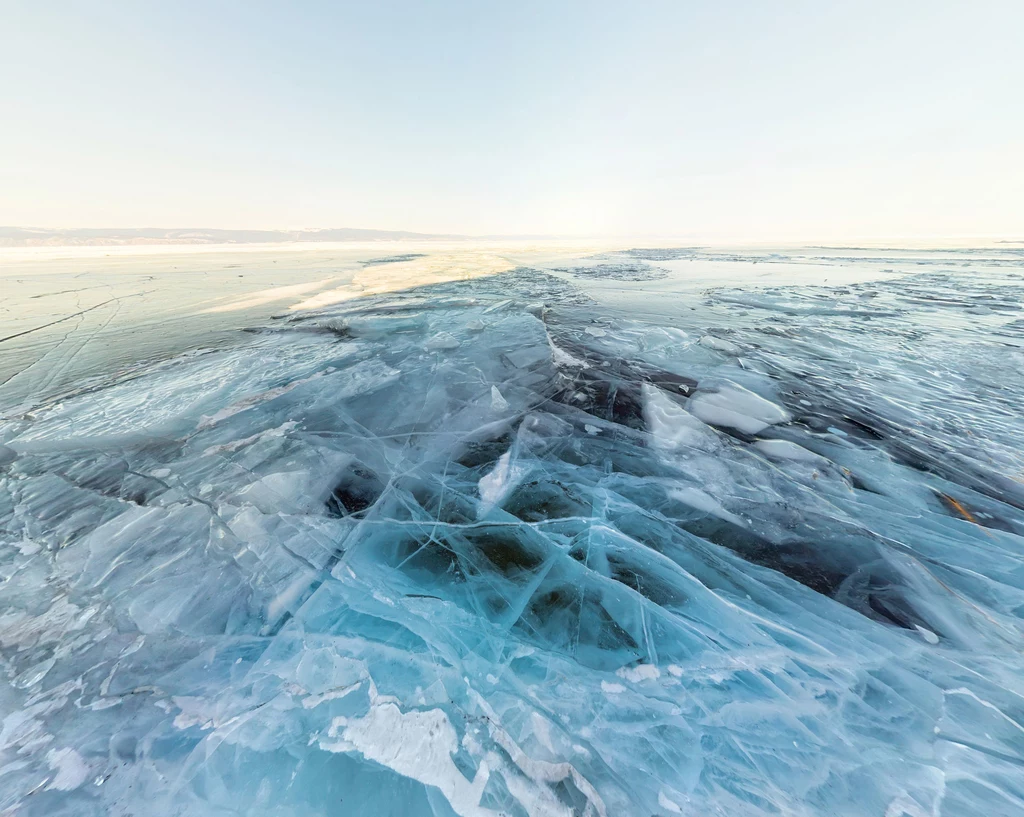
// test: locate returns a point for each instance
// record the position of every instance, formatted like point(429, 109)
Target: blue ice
point(502, 547)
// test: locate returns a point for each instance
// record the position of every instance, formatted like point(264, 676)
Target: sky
point(738, 121)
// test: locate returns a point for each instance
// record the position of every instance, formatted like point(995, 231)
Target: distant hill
point(33, 237)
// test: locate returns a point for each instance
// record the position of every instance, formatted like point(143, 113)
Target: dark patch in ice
point(430, 558)
point(866, 427)
point(647, 583)
point(538, 500)
point(877, 593)
point(804, 562)
point(554, 617)
point(608, 398)
point(610, 388)
point(915, 450)
point(355, 492)
point(854, 576)
point(505, 548)
point(601, 364)
point(475, 453)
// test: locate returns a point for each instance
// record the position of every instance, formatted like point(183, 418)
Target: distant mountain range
point(33, 237)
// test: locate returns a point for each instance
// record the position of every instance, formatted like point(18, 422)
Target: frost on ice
point(464, 552)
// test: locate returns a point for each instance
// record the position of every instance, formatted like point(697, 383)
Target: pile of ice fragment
point(478, 550)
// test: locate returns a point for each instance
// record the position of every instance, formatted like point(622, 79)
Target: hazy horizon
point(18, 237)
point(795, 122)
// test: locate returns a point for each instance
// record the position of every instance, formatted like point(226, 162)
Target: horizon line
point(28, 237)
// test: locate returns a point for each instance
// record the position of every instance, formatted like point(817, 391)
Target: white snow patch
point(672, 426)
point(311, 701)
point(667, 804)
point(927, 635)
point(498, 402)
point(537, 799)
point(719, 344)
point(786, 450)
point(733, 406)
point(418, 745)
point(29, 548)
point(71, 769)
point(494, 486)
point(641, 672)
point(563, 358)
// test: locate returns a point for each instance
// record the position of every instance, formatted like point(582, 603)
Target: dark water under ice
point(590, 540)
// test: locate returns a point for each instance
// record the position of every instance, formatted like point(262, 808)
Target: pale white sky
point(751, 121)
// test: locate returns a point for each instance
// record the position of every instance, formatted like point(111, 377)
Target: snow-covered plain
point(592, 540)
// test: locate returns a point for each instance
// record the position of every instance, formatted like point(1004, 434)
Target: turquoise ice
point(538, 544)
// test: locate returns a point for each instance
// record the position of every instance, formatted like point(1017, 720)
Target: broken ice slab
point(532, 569)
point(733, 406)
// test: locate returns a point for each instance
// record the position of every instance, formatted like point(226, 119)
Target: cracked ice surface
point(489, 548)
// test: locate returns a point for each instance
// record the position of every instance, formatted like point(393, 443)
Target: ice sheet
point(452, 551)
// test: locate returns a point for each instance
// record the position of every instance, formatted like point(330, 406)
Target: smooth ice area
point(540, 543)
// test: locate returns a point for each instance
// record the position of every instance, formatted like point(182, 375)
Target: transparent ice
point(516, 547)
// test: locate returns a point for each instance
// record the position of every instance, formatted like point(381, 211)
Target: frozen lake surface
point(640, 532)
